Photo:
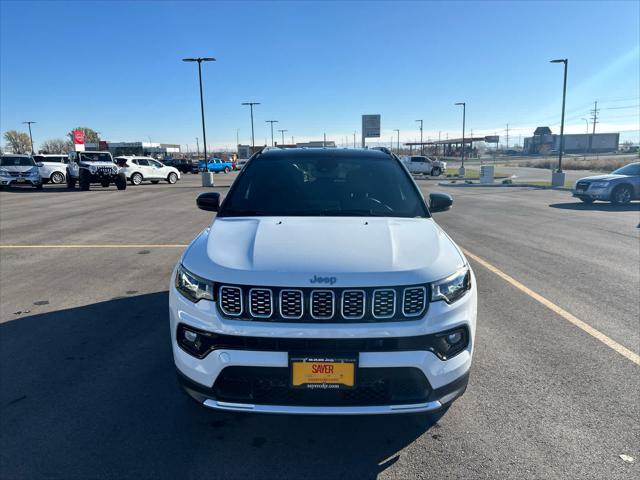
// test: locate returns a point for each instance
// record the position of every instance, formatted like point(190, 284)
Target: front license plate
point(20, 180)
point(322, 372)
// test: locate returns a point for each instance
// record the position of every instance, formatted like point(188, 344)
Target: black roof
point(322, 153)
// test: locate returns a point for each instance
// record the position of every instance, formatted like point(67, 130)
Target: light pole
point(198, 146)
point(397, 130)
point(282, 132)
point(586, 147)
point(200, 60)
point(253, 141)
point(421, 145)
point(557, 177)
point(464, 115)
point(272, 122)
point(30, 136)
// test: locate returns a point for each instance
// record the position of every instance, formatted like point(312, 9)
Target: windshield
point(95, 157)
point(324, 186)
point(631, 169)
point(17, 162)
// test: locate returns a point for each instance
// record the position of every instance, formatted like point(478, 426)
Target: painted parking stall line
point(585, 327)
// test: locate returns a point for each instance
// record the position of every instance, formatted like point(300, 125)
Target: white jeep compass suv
point(323, 286)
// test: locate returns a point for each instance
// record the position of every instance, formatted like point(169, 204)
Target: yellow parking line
point(106, 245)
point(585, 327)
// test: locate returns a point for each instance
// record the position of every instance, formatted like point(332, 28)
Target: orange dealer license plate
point(322, 372)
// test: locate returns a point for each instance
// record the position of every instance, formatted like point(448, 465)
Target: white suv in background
point(323, 286)
point(140, 169)
point(52, 167)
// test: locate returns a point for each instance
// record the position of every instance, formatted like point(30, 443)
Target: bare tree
point(90, 135)
point(19, 142)
point(56, 145)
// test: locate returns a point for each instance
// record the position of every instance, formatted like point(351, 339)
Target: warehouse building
point(544, 141)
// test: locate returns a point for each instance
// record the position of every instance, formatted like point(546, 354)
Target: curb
point(503, 185)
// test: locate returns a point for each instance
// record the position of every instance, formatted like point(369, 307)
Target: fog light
point(454, 338)
point(190, 336)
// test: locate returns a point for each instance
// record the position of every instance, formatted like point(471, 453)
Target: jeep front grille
point(260, 302)
point(231, 300)
point(333, 305)
point(322, 304)
point(413, 301)
point(384, 303)
point(291, 304)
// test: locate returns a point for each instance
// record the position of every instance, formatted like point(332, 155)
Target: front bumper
point(593, 193)
point(445, 380)
point(19, 181)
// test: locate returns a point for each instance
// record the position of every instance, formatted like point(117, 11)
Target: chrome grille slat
point(260, 302)
point(352, 305)
point(383, 303)
point(291, 304)
point(414, 299)
point(322, 304)
point(231, 300)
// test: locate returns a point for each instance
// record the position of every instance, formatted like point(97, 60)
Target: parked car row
point(83, 169)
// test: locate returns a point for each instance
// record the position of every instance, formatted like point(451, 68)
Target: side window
point(154, 163)
point(143, 162)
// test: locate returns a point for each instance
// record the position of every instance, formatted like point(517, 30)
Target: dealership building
point(544, 141)
point(150, 149)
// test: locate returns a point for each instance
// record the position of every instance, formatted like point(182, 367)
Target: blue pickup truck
point(215, 164)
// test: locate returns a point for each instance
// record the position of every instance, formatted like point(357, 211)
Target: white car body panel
point(48, 164)
point(156, 170)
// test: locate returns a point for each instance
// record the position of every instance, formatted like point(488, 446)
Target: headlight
point(34, 171)
point(193, 287)
point(453, 287)
point(93, 169)
point(599, 184)
point(5, 172)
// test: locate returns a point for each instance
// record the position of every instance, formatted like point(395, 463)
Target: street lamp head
point(199, 59)
point(461, 103)
point(250, 103)
point(29, 122)
point(559, 60)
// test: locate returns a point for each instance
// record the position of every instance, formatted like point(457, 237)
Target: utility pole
point(30, 136)
point(397, 130)
point(253, 138)
point(198, 146)
point(507, 137)
point(354, 139)
point(237, 137)
point(272, 122)
point(421, 145)
point(282, 132)
point(464, 115)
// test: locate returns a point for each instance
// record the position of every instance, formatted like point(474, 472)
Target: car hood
point(292, 251)
point(608, 176)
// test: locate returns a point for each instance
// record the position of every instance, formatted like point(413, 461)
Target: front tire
point(57, 177)
point(621, 195)
point(121, 181)
point(172, 178)
point(136, 179)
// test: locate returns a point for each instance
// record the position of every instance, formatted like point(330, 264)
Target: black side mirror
point(440, 202)
point(209, 201)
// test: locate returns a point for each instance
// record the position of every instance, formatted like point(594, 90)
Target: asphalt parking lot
point(87, 383)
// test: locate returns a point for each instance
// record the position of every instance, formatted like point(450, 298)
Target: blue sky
point(315, 67)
